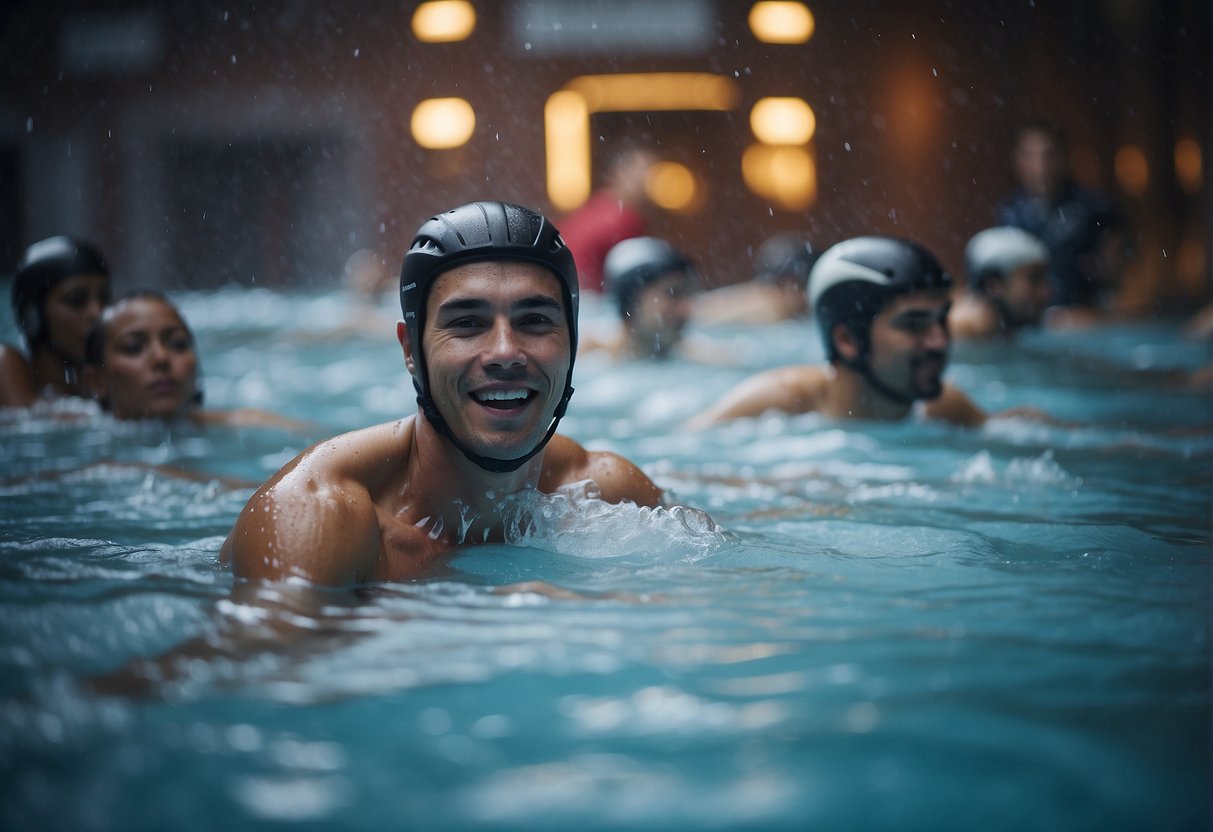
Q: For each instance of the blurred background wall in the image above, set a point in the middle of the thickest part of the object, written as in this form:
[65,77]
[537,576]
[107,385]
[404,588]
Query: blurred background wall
[200,143]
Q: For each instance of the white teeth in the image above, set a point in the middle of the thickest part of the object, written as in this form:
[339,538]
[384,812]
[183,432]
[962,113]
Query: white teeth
[501,395]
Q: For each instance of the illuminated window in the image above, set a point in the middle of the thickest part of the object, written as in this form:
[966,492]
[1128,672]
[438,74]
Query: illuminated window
[781,22]
[784,174]
[444,21]
[1189,166]
[783,121]
[1132,170]
[442,123]
[567,117]
[673,187]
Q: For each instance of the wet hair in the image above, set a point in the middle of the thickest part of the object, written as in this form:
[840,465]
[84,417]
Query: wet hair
[94,342]
[43,265]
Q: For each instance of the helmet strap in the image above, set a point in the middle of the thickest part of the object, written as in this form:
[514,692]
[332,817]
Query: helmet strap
[491,464]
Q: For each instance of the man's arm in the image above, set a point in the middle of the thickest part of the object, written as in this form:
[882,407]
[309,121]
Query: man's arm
[782,389]
[619,479]
[16,380]
[306,523]
[565,462]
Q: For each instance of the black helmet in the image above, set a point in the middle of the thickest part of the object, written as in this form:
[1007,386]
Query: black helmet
[43,265]
[785,257]
[476,232]
[853,280]
[998,251]
[634,263]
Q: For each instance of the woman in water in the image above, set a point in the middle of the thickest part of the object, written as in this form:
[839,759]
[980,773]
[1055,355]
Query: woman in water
[140,363]
[59,290]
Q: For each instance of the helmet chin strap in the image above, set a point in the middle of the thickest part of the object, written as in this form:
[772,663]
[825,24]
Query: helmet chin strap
[488,463]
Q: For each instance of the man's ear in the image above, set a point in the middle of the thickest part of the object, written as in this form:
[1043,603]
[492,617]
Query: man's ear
[845,343]
[402,335]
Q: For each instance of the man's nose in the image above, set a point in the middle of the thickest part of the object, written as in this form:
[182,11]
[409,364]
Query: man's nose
[503,348]
[937,338]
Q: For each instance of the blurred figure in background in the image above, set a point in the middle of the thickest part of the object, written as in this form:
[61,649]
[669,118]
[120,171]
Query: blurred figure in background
[1007,270]
[778,291]
[59,290]
[1081,227]
[612,213]
[140,363]
[653,286]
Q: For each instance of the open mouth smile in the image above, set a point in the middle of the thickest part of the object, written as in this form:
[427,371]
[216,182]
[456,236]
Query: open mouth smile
[504,399]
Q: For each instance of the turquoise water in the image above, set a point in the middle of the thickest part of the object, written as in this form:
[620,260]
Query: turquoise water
[900,627]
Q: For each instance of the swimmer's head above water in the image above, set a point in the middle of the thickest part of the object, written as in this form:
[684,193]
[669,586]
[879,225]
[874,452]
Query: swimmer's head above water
[476,233]
[1009,268]
[44,269]
[652,284]
[856,281]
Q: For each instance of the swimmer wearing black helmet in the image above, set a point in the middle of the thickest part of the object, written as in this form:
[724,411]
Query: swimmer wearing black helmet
[489,296]
[60,287]
[881,305]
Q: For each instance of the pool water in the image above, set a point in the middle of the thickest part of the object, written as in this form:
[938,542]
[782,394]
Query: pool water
[856,626]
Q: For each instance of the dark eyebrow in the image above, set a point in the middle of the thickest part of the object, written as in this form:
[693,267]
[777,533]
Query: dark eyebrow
[522,304]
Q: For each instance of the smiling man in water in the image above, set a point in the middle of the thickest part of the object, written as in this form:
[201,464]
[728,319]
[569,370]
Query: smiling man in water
[489,296]
[882,307]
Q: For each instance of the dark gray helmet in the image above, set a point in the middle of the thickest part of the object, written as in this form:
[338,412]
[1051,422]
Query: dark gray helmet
[632,264]
[476,232]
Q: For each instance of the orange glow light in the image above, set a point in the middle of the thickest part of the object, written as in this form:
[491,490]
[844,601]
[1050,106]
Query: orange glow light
[781,22]
[673,187]
[443,123]
[783,121]
[1132,170]
[444,21]
[785,174]
[1189,165]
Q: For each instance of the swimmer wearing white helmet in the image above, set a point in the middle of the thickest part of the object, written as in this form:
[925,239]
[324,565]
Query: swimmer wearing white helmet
[881,305]
[1009,289]
[489,295]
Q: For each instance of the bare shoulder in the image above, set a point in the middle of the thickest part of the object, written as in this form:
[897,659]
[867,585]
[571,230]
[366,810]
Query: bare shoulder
[17,387]
[316,519]
[953,405]
[971,318]
[251,418]
[618,479]
[795,389]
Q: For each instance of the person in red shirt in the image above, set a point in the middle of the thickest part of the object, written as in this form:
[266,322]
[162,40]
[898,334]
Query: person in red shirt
[611,214]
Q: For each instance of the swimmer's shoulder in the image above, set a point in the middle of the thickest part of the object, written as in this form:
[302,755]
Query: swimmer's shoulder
[972,318]
[17,385]
[618,479]
[794,389]
[954,405]
[316,518]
